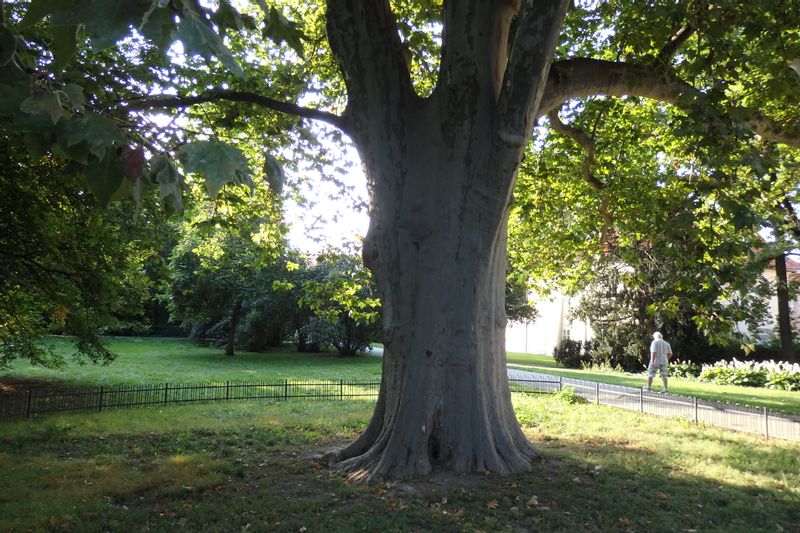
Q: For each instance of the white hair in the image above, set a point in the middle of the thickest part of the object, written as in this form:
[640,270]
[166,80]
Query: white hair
[657,335]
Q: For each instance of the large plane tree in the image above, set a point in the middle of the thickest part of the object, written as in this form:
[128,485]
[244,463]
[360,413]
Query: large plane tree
[441,100]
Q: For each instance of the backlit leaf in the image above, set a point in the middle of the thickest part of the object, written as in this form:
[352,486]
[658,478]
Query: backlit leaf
[44,103]
[198,38]
[217,163]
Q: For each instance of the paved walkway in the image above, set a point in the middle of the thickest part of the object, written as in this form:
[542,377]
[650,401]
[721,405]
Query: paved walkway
[758,420]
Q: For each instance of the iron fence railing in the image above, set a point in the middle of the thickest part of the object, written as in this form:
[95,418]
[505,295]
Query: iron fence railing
[37,401]
[758,420]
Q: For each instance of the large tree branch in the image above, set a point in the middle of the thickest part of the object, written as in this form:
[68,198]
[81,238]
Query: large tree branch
[538,27]
[577,78]
[218,95]
[675,43]
[366,44]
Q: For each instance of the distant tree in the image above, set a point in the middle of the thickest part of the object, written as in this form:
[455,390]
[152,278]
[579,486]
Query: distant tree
[66,266]
[343,298]
[217,266]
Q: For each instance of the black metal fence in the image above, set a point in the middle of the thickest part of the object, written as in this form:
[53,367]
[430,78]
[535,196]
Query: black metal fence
[36,401]
[745,418]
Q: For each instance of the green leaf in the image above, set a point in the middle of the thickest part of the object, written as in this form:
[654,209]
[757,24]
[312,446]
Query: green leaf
[65,43]
[169,180]
[37,10]
[279,29]
[109,21]
[76,152]
[44,103]
[273,170]
[8,45]
[75,94]
[159,26]
[218,163]
[198,38]
[105,179]
[100,134]
[37,145]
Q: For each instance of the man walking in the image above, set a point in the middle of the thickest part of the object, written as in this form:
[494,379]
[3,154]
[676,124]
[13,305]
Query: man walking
[660,354]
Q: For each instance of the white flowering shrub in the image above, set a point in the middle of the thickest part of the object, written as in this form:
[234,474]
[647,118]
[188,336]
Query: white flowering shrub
[770,374]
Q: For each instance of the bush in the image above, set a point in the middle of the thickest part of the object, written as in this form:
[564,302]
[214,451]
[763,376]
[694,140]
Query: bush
[568,395]
[770,374]
[571,354]
[684,369]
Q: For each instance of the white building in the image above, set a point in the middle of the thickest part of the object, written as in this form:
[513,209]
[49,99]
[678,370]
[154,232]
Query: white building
[553,323]
[551,326]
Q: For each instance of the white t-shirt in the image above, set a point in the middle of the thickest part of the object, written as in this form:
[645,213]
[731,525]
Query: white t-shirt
[662,349]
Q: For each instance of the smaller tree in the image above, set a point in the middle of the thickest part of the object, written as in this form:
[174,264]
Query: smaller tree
[66,266]
[341,294]
[217,266]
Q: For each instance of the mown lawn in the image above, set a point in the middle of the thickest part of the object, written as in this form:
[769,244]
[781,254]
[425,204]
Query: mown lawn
[142,360]
[249,466]
[784,401]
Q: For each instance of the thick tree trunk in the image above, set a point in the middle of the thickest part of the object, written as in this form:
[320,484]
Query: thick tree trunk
[441,172]
[784,313]
[437,249]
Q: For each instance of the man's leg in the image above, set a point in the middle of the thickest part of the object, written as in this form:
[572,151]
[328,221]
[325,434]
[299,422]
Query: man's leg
[664,378]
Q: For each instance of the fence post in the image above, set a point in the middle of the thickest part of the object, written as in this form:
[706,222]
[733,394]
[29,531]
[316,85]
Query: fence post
[285,389]
[30,403]
[696,412]
[597,392]
[100,400]
[641,400]
[341,389]
[166,391]
[560,382]
[766,422]
[227,390]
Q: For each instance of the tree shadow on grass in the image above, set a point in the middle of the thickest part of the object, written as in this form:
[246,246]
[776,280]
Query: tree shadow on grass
[265,477]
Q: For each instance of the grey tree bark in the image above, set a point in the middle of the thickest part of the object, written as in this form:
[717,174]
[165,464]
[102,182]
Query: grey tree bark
[441,171]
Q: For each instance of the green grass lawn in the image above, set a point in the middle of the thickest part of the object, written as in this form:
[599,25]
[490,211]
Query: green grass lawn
[249,466]
[785,401]
[143,360]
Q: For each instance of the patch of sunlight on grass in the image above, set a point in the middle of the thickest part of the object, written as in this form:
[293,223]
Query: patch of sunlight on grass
[61,485]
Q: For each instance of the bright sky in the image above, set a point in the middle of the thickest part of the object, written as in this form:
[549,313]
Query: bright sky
[328,217]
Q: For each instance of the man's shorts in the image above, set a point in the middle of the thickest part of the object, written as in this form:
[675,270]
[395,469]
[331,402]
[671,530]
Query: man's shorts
[651,370]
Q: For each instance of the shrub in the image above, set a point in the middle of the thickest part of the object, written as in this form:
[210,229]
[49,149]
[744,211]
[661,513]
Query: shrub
[568,395]
[771,374]
[784,379]
[571,354]
[684,369]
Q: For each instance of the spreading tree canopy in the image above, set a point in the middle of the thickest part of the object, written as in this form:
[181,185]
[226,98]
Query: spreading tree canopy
[440,98]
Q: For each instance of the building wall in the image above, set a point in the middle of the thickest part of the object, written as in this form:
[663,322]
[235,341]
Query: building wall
[552,325]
